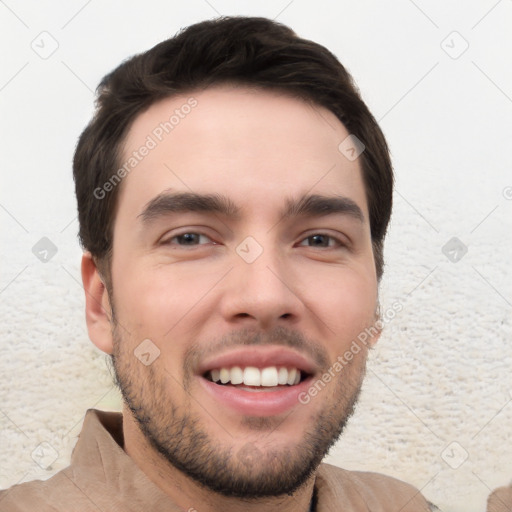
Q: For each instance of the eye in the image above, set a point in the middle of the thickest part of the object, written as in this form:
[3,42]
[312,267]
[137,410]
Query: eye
[323,240]
[188,239]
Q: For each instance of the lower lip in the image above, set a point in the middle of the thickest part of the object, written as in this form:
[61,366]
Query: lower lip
[256,403]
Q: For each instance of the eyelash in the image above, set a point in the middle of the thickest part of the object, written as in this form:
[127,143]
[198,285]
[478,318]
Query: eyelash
[337,240]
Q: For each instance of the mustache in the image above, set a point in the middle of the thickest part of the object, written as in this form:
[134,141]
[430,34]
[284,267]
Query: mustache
[280,336]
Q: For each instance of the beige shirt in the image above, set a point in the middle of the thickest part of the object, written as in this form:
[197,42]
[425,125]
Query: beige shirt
[103,478]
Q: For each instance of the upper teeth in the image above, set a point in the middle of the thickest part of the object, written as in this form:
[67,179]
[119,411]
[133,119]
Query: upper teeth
[252,376]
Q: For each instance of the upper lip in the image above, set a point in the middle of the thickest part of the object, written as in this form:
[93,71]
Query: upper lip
[259,357]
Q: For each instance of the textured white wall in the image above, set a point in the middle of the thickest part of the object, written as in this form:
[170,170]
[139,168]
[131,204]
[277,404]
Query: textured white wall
[439,383]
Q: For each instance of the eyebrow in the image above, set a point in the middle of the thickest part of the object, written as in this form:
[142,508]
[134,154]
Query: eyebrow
[185,202]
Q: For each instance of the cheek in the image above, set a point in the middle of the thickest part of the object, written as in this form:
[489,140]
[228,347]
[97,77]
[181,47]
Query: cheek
[161,303]
[344,300]
[142,296]
[146,303]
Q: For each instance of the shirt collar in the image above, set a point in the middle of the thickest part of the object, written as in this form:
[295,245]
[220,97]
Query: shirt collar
[99,462]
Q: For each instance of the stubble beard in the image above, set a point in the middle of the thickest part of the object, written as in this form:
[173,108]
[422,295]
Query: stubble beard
[242,470]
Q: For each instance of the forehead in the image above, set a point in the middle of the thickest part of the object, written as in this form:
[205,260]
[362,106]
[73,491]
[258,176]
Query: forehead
[252,144]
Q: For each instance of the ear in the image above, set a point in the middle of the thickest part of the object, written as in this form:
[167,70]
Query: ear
[376,328]
[97,305]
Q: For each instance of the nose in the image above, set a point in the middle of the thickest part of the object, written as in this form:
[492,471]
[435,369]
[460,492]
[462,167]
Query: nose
[261,293]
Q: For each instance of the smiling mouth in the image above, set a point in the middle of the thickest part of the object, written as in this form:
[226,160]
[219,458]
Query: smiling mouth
[252,378]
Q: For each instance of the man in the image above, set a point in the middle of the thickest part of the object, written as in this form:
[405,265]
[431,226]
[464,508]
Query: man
[234,193]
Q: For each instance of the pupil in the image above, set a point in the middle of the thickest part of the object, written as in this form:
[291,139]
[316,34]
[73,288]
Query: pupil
[188,238]
[318,238]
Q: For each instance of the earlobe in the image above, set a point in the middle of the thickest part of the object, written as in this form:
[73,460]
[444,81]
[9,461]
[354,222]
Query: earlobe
[376,335]
[97,305]
[377,327]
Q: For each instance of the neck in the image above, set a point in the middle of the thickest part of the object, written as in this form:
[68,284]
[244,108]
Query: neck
[191,496]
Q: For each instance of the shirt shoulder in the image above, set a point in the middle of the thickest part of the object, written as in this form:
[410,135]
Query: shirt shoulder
[56,494]
[367,491]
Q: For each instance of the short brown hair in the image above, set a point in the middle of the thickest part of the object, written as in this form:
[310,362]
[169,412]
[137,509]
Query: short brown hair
[249,51]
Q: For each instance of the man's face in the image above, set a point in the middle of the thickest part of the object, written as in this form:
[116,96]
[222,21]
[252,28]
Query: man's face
[272,283]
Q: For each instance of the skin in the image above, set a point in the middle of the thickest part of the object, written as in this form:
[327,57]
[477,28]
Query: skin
[259,148]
